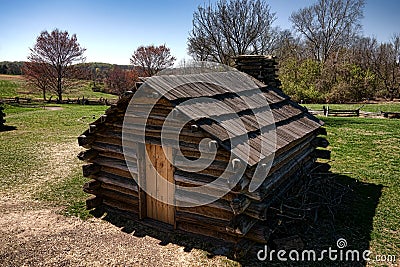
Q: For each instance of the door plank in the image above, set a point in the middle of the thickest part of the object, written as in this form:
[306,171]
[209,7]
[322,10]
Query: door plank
[159,171]
[141,162]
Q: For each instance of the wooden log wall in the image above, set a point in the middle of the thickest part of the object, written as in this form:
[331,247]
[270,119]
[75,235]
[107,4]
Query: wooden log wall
[112,184]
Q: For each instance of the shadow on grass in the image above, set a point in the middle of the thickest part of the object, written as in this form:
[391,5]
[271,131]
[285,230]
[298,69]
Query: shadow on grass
[336,207]
[318,211]
[6,128]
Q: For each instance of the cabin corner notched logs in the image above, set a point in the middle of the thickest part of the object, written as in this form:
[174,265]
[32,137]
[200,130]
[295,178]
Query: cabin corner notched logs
[239,214]
[261,67]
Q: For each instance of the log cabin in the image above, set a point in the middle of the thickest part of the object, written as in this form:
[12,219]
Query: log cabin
[204,153]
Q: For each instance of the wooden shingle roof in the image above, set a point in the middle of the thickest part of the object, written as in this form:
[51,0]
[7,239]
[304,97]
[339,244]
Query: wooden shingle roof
[221,98]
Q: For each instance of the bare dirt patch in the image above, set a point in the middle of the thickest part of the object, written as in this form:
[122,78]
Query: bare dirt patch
[35,235]
[11,77]
[53,108]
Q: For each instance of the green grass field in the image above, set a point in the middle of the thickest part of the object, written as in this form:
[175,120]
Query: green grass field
[368,151]
[15,86]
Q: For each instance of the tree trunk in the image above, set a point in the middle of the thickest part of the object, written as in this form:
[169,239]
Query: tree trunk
[44,94]
[59,97]
[59,85]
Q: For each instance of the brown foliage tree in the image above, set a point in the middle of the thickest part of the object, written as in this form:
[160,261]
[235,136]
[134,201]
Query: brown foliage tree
[36,77]
[119,81]
[151,59]
[51,61]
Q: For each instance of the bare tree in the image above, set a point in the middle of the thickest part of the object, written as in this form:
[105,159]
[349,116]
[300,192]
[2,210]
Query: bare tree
[152,58]
[328,24]
[231,28]
[362,51]
[287,45]
[53,57]
[386,65]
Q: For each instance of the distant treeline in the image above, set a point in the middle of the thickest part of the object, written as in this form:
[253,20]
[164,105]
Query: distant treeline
[15,67]
[11,68]
[99,70]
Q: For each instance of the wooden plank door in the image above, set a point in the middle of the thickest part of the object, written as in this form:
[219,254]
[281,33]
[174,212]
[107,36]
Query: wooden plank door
[159,171]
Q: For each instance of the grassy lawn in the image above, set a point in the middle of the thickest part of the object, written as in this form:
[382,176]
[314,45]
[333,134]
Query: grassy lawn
[15,86]
[10,88]
[368,151]
[38,159]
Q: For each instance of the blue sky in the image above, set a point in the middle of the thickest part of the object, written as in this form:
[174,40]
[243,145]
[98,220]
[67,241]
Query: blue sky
[112,30]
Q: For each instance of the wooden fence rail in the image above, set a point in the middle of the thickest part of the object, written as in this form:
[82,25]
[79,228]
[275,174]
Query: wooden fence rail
[16,100]
[390,115]
[80,101]
[341,112]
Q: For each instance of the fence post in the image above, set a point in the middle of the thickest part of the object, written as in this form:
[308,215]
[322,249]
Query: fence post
[2,115]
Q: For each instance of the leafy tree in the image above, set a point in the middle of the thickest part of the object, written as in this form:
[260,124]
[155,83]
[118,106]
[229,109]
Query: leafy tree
[354,83]
[380,63]
[12,68]
[231,28]
[332,62]
[53,57]
[3,69]
[152,59]
[300,80]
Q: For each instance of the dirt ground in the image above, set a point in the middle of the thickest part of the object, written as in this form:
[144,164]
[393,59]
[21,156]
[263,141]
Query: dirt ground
[11,77]
[53,108]
[35,233]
